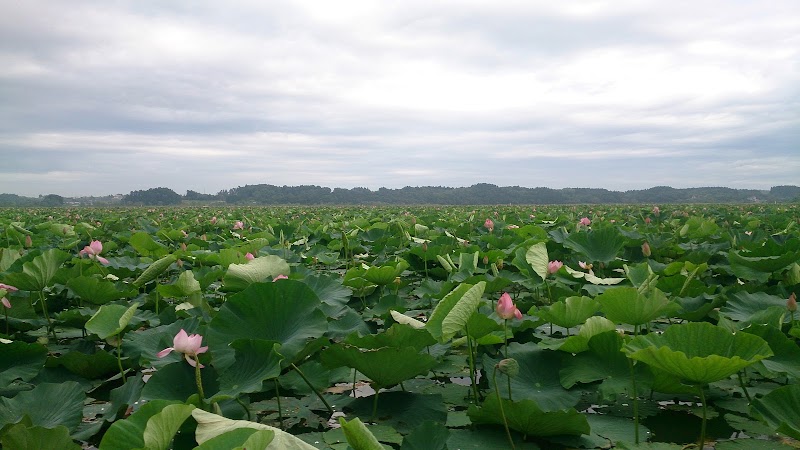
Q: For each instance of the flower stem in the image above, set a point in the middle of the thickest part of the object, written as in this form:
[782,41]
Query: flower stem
[280,409]
[47,316]
[325,402]
[471,366]
[375,403]
[505,342]
[635,400]
[119,359]
[502,411]
[198,379]
[703,426]
[744,388]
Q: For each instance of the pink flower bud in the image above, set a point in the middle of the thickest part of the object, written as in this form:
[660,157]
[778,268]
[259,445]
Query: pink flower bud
[28,241]
[249,256]
[506,309]
[585,221]
[791,304]
[489,225]
[646,249]
[553,266]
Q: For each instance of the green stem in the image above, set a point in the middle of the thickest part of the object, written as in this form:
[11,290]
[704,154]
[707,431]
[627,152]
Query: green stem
[471,366]
[744,388]
[505,341]
[502,411]
[308,382]
[246,409]
[703,426]
[47,316]
[635,399]
[375,403]
[198,379]
[280,409]
[6,313]
[119,359]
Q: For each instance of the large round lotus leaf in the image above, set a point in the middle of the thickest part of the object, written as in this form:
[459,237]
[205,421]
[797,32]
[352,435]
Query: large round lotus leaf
[627,305]
[600,245]
[527,418]
[384,366]
[571,312]
[22,437]
[211,425]
[153,426]
[787,353]
[48,405]
[20,360]
[698,353]
[779,409]
[286,312]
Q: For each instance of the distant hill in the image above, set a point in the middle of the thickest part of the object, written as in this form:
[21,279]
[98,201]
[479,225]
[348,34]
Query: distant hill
[478,194]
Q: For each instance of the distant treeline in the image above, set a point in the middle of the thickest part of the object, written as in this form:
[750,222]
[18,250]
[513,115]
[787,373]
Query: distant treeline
[479,194]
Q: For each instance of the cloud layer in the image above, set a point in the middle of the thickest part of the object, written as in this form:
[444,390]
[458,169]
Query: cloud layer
[101,98]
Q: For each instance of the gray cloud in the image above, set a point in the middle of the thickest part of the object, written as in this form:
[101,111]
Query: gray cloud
[108,98]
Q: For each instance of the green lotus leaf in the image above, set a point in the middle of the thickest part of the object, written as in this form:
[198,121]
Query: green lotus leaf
[22,437]
[580,342]
[154,270]
[759,265]
[398,335]
[599,245]
[177,382]
[527,418]
[358,436]
[698,352]
[96,291]
[286,312]
[123,397]
[383,275]
[538,379]
[428,436]
[255,361]
[755,308]
[787,353]
[537,257]
[145,245]
[110,320]
[239,439]
[779,408]
[20,361]
[261,269]
[90,366]
[386,366]
[211,425]
[626,305]
[401,410]
[153,426]
[451,314]
[38,273]
[40,405]
[570,312]
[184,286]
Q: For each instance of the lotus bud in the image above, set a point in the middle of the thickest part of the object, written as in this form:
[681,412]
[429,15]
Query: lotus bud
[397,281]
[647,220]
[656,211]
[509,366]
[183,246]
[791,304]
[500,264]
[485,260]
[646,249]
[249,256]
[553,266]
[585,221]
[489,225]
[179,263]
[424,246]
[28,241]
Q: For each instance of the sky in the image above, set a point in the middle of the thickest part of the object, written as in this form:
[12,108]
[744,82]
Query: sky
[108,97]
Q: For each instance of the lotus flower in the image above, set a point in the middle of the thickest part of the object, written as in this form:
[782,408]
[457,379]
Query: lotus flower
[585,221]
[280,277]
[506,308]
[239,225]
[585,265]
[656,211]
[214,220]
[553,266]
[489,225]
[249,256]
[646,249]
[6,288]
[188,344]
[93,250]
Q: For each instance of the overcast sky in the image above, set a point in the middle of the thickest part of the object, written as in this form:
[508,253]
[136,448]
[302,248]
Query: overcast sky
[102,97]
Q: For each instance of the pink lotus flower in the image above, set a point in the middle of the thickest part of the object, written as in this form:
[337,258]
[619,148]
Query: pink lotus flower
[585,221]
[249,256]
[553,266]
[585,265]
[239,225]
[7,288]
[280,277]
[656,211]
[214,220]
[506,309]
[647,220]
[188,344]
[93,250]
[489,225]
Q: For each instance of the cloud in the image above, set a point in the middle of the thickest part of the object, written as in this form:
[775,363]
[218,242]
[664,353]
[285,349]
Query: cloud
[208,96]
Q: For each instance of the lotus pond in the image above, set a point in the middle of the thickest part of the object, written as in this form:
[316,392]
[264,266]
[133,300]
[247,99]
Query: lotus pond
[400,328]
